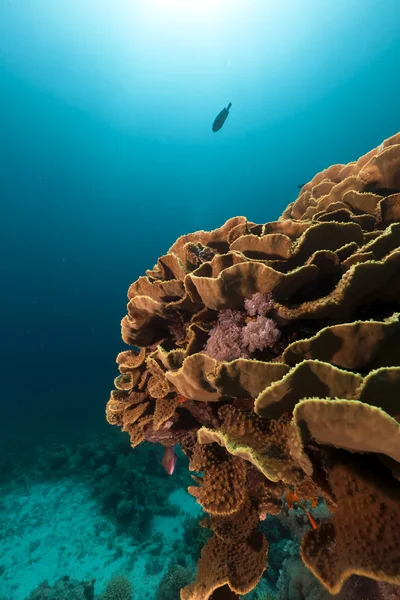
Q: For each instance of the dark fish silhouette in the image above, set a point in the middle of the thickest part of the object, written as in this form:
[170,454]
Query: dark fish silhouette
[300,185]
[220,119]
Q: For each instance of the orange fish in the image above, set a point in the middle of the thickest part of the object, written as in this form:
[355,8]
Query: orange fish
[290,498]
[312,521]
[181,398]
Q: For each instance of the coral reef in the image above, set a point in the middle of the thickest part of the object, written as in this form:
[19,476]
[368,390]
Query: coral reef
[175,578]
[64,589]
[195,537]
[270,354]
[118,480]
[118,588]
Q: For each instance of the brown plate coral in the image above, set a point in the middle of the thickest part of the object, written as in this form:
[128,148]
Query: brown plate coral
[271,354]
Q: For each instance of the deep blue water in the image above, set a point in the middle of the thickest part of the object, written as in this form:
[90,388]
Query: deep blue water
[91,198]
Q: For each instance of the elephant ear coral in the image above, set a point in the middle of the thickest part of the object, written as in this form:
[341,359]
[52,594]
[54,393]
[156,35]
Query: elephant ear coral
[364,535]
[223,485]
[270,353]
[235,556]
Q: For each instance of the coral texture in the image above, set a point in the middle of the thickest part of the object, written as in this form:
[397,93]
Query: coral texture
[118,588]
[270,354]
[64,588]
[175,578]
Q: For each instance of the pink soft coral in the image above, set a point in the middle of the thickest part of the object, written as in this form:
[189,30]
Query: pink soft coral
[231,338]
[225,339]
[259,334]
[258,304]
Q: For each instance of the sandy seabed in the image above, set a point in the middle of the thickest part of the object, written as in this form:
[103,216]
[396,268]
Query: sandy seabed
[49,530]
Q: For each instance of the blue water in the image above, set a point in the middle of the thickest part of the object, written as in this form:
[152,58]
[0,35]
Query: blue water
[107,156]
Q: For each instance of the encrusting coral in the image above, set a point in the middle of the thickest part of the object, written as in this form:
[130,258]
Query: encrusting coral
[270,354]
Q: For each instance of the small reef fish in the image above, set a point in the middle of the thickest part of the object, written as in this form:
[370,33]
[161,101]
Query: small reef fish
[312,521]
[169,459]
[291,498]
[181,398]
[220,119]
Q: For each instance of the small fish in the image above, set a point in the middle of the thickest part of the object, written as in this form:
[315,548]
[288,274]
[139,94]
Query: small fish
[220,119]
[290,498]
[181,398]
[169,459]
[312,521]
[300,185]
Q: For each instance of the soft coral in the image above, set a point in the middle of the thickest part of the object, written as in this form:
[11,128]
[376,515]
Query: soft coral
[225,339]
[259,334]
[233,338]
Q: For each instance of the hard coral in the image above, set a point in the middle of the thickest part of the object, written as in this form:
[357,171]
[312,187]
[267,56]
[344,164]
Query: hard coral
[283,340]
[175,578]
[64,588]
[235,556]
[223,485]
[364,535]
[118,588]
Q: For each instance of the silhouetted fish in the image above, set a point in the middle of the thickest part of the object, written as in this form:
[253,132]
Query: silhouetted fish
[300,185]
[220,119]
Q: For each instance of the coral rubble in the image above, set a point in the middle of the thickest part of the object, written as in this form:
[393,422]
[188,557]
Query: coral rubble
[270,354]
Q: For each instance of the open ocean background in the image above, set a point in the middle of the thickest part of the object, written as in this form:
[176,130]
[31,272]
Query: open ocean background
[107,156]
